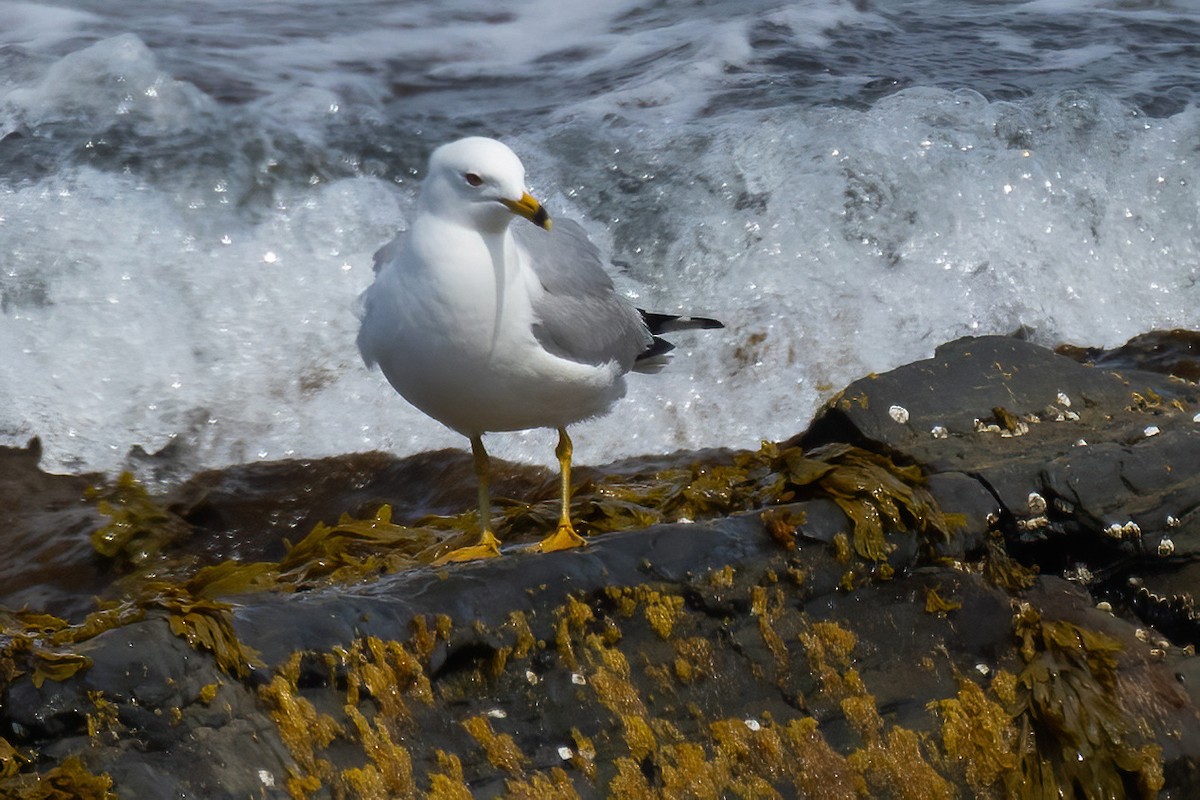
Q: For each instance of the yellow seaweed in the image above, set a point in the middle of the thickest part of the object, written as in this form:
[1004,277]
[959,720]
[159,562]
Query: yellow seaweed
[303,730]
[205,624]
[936,604]
[978,736]
[69,780]
[1073,734]
[500,748]
[11,759]
[138,527]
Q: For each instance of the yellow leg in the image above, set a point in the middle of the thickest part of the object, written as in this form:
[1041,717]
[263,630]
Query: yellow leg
[489,545]
[564,536]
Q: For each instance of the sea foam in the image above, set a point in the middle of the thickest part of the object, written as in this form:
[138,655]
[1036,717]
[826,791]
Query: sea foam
[181,272]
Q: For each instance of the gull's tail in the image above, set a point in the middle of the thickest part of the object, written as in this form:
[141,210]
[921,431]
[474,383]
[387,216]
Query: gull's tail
[655,357]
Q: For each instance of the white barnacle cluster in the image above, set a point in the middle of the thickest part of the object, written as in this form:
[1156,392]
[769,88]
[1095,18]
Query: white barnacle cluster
[899,414]
[1037,510]
[1158,647]
[584,755]
[1008,425]
[1166,547]
[1060,409]
[1080,573]
[1019,427]
[1033,523]
[1022,428]
[939,432]
[1130,530]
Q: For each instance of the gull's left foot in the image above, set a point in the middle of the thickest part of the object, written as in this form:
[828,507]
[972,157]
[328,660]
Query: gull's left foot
[563,538]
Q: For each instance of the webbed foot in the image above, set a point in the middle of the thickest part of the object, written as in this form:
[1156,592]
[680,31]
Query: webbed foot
[563,538]
[488,547]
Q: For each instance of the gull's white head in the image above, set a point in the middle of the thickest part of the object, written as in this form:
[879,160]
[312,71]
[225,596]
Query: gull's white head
[480,183]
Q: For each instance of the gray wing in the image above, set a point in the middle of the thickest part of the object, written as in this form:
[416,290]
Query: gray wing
[370,306]
[388,251]
[580,316]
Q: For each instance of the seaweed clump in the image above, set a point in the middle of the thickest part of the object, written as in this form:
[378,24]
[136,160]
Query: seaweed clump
[383,686]
[978,734]
[1056,728]
[205,624]
[139,528]
[1073,736]
[303,729]
[38,645]
[874,492]
[146,539]
[69,780]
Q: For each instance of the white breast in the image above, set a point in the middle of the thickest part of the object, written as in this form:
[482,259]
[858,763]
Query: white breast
[451,328]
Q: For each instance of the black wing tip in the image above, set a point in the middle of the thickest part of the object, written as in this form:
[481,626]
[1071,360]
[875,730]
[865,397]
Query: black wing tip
[666,323]
[658,347]
[705,323]
[654,357]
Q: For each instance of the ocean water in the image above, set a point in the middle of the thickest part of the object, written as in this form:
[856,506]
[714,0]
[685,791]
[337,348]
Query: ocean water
[190,195]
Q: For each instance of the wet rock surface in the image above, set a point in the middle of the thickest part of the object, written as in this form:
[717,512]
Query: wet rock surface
[971,576]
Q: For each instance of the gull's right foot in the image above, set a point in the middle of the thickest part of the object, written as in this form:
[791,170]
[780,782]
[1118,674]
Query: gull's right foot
[488,547]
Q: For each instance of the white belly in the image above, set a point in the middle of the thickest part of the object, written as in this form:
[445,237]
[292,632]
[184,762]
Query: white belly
[459,345]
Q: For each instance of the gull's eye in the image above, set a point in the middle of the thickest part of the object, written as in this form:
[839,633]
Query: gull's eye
[473,179]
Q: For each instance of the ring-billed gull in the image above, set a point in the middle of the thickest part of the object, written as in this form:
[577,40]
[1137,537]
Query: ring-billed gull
[490,328]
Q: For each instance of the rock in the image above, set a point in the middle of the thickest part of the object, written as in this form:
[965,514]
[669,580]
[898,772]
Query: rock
[964,572]
[53,567]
